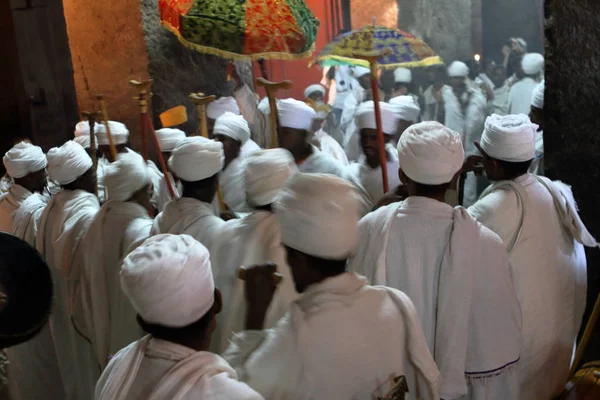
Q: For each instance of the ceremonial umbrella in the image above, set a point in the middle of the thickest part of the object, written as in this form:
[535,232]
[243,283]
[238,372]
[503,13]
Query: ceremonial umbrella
[406,50]
[243,29]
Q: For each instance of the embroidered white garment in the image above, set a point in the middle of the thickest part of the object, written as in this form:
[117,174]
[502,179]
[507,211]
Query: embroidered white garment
[62,225]
[154,369]
[541,230]
[306,355]
[103,312]
[444,261]
[321,163]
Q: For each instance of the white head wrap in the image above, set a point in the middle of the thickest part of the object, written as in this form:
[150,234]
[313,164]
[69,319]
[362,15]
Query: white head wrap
[458,69]
[509,138]
[119,132]
[312,89]
[537,98]
[196,158]
[126,176]
[263,106]
[169,280]
[24,159]
[83,129]
[232,125]
[532,63]
[361,71]
[365,117]
[220,106]
[84,141]
[318,215]
[402,75]
[295,114]
[406,108]
[168,138]
[68,162]
[430,154]
[265,173]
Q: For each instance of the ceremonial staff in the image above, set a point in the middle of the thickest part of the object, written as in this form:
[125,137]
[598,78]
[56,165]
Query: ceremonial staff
[111,143]
[144,90]
[201,102]
[91,117]
[271,88]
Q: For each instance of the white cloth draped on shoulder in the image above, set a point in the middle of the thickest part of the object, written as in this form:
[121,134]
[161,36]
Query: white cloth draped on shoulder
[160,194]
[62,225]
[321,163]
[26,218]
[9,204]
[448,278]
[102,311]
[231,181]
[329,146]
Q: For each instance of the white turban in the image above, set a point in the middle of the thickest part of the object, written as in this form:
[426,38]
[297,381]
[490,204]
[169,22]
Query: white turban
[119,132]
[430,154]
[169,280]
[312,89]
[458,69]
[295,114]
[220,106]
[537,98]
[509,138]
[168,138]
[318,215]
[24,159]
[361,71]
[126,176]
[196,158]
[532,63]
[68,162]
[82,129]
[406,108]
[263,106]
[265,173]
[402,75]
[232,125]
[365,117]
[84,141]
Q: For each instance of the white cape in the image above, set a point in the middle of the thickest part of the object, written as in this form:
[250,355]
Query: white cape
[231,181]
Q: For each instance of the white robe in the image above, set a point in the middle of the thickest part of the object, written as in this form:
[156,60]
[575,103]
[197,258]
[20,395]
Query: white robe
[103,163]
[456,273]
[27,217]
[321,163]
[154,369]
[537,165]
[63,223]
[233,187]
[499,104]
[431,110]
[103,313]
[9,204]
[254,240]
[329,146]
[249,148]
[519,98]
[5,184]
[549,272]
[326,347]
[260,123]
[470,125]
[351,103]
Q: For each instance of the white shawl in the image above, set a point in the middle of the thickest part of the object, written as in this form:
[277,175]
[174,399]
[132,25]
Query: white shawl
[259,122]
[321,163]
[232,184]
[103,312]
[9,204]
[330,146]
[26,218]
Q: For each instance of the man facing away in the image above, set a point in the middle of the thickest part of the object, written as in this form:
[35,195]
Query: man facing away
[453,269]
[296,119]
[519,99]
[22,206]
[63,223]
[341,339]
[167,141]
[169,282]
[257,240]
[538,222]
[103,314]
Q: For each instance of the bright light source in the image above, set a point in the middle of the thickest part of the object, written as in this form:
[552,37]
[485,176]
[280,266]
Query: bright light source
[477,57]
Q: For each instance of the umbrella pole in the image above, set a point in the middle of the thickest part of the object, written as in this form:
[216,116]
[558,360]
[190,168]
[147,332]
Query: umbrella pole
[201,102]
[271,88]
[163,166]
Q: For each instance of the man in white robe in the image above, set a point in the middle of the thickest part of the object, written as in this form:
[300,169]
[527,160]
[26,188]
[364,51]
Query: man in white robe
[63,223]
[537,117]
[82,136]
[104,315]
[499,102]
[256,240]
[26,165]
[453,269]
[169,281]
[233,132]
[167,140]
[361,83]
[296,119]
[519,99]
[326,345]
[538,222]
[408,111]
[465,113]
[432,98]
[324,123]
[366,173]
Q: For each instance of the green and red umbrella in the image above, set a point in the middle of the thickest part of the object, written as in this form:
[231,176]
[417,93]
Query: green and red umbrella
[243,29]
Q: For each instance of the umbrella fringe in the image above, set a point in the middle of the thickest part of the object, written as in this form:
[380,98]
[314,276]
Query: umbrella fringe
[339,60]
[235,56]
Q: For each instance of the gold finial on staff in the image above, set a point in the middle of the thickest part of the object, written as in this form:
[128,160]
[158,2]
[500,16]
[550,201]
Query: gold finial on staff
[111,143]
[143,89]
[271,88]
[201,102]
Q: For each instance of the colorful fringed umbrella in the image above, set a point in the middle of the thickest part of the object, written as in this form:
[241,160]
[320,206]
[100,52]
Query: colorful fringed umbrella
[406,49]
[243,29]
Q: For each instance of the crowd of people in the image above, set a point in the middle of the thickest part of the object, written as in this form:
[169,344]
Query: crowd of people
[346,292]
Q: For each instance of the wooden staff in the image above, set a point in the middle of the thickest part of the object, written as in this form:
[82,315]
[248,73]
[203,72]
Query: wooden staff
[372,57]
[163,166]
[587,334]
[242,271]
[144,93]
[201,102]
[271,88]
[91,116]
[111,143]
